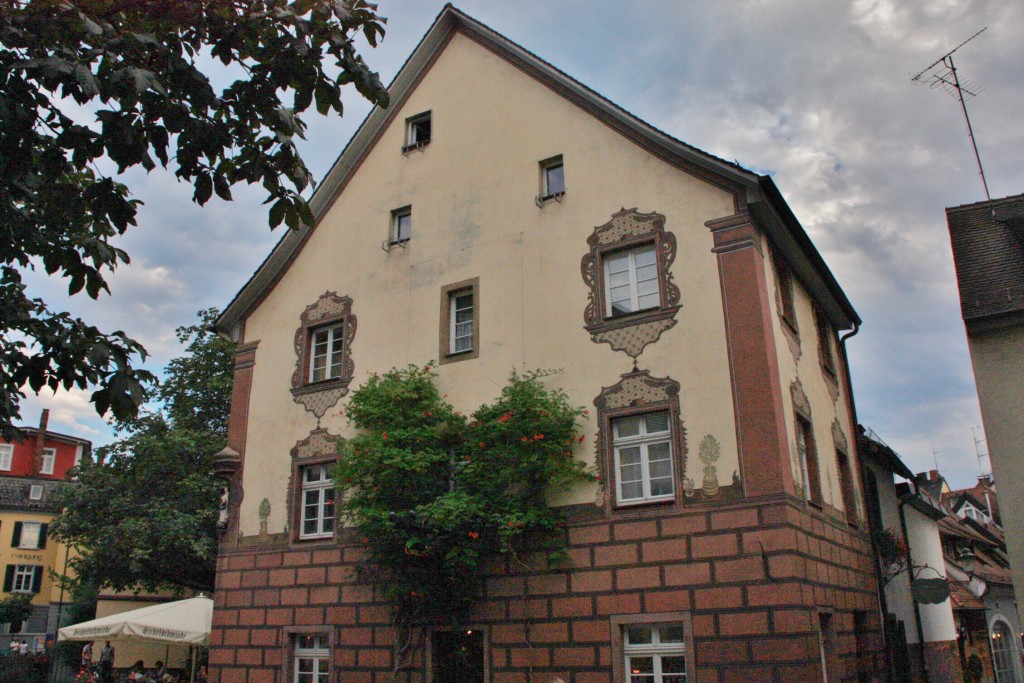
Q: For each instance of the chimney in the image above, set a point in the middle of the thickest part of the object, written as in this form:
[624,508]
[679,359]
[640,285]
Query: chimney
[37,459]
[933,475]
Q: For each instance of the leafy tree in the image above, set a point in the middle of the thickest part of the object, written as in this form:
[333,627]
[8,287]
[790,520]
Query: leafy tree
[433,494]
[144,514]
[15,609]
[142,68]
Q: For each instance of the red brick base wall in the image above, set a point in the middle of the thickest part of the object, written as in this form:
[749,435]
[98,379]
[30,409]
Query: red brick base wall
[751,576]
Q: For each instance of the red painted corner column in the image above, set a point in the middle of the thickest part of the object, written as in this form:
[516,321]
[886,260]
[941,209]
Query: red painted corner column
[761,427]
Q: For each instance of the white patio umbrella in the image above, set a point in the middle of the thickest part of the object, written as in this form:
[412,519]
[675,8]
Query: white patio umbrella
[182,621]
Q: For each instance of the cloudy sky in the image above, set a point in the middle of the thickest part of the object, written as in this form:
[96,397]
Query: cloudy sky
[816,94]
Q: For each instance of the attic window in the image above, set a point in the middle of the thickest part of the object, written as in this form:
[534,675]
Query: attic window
[552,180]
[417,132]
[35,492]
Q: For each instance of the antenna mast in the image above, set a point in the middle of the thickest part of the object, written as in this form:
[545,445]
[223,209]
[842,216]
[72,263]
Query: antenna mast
[947,79]
[977,451]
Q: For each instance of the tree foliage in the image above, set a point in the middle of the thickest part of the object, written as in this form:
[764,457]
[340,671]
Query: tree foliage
[140,69]
[433,494]
[15,609]
[144,514]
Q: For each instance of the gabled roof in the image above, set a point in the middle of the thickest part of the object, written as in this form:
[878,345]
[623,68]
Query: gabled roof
[750,190]
[32,432]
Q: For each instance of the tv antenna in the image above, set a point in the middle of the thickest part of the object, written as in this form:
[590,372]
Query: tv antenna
[942,74]
[977,451]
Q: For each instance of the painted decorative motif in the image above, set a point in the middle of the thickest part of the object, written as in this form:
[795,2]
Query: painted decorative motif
[637,389]
[839,437]
[264,513]
[709,452]
[632,332]
[319,397]
[801,403]
[319,443]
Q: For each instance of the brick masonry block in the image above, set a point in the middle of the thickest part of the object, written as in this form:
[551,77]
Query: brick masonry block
[739,570]
[374,614]
[311,575]
[356,636]
[374,657]
[619,554]
[593,677]
[547,584]
[246,561]
[341,574]
[748,674]
[549,632]
[319,595]
[727,597]
[508,633]
[618,603]
[268,560]
[264,637]
[357,593]
[226,580]
[637,577]
[576,607]
[742,623]
[672,550]
[719,651]
[782,538]
[341,614]
[684,525]
[590,535]
[266,597]
[523,657]
[667,601]
[774,594]
[791,649]
[309,616]
[629,531]
[249,656]
[597,631]
[236,636]
[254,578]
[579,558]
[232,675]
[294,596]
[592,581]
[689,574]
[574,656]
[262,676]
[734,519]
[238,598]
[252,617]
[281,577]
[536,608]
[296,558]
[327,556]
[703,625]
[281,616]
[716,545]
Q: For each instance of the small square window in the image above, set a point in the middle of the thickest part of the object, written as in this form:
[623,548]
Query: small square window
[23,578]
[6,456]
[35,492]
[401,225]
[49,458]
[653,652]
[552,179]
[29,535]
[417,132]
[317,494]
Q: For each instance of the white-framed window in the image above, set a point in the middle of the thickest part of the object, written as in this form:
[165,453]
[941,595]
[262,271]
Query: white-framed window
[312,658]
[809,470]
[417,132]
[317,502]
[643,457]
[49,458]
[655,653]
[401,225]
[29,535]
[24,578]
[6,456]
[631,281]
[35,492]
[461,320]
[552,178]
[327,352]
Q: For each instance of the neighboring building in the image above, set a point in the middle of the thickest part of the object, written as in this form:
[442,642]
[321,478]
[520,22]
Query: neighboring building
[459,225]
[988,250]
[948,535]
[30,473]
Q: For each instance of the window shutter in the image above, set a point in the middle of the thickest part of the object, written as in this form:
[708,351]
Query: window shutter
[9,578]
[37,579]
[42,535]
[16,538]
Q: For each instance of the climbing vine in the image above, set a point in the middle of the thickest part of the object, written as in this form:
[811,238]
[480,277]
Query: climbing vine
[433,494]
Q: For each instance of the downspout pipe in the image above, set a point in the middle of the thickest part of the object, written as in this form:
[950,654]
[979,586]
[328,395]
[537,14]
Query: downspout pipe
[883,605]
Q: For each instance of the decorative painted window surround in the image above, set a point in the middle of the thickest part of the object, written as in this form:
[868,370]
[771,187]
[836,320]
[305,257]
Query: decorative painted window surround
[639,394]
[449,293]
[317,449]
[629,230]
[330,310]
[620,649]
[806,448]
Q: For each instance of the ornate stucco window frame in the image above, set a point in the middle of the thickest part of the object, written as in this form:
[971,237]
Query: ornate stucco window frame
[640,394]
[319,448]
[629,230]
[328,311]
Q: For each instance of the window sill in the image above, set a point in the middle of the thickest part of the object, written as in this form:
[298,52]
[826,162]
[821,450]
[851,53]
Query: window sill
[624,506]
[323,385]
[415,147]
[316,539]
[626,319]
[543,199]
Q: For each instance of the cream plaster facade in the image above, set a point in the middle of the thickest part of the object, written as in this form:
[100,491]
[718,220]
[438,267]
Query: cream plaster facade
[472,194]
